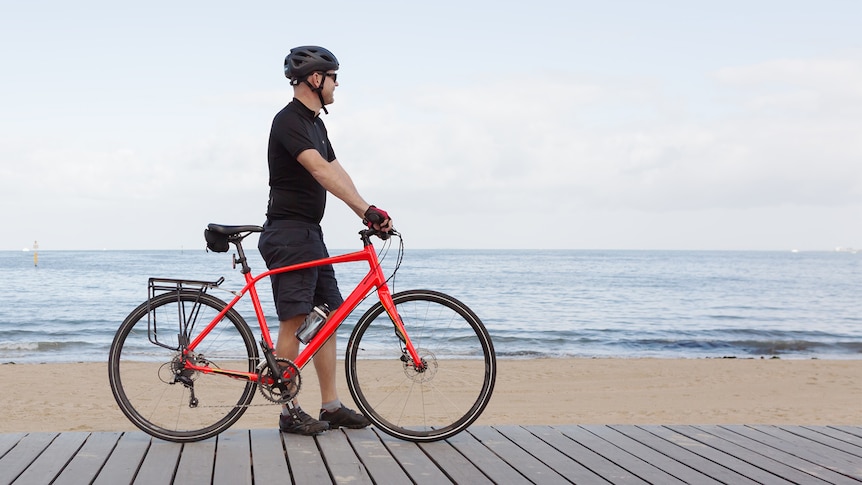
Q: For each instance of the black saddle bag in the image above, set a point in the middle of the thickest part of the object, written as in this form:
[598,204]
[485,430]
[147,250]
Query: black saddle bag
[216,242]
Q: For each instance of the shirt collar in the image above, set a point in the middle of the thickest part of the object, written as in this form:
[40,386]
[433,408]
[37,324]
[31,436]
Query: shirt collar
[302,109]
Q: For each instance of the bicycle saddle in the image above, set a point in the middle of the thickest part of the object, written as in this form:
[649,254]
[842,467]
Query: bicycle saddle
[231,230]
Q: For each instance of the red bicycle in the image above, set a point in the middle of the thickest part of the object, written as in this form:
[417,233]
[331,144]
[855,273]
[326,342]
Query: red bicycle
[184,365]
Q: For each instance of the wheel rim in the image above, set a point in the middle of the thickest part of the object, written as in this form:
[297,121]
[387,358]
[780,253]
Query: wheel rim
[141,373]
[439,401]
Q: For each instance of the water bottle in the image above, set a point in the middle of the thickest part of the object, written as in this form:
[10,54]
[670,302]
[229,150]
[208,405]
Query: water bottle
[312,324]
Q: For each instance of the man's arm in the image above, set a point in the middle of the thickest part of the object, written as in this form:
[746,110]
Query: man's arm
[333,178]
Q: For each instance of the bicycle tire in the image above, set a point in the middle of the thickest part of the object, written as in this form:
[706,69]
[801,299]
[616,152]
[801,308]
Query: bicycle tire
[141,372]
[438,403]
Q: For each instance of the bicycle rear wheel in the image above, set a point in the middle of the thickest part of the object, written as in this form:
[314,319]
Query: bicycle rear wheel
[146,375]
[423,406]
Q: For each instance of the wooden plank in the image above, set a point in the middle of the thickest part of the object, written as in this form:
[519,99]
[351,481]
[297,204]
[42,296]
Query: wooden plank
[455,465]
[22,455]
[588,449]
[817,451]
[853,430]
[664,467]
[380,464]
[853,452]
[505,454]
[781,456]
[484,459]
[304,459]
[124,461]
[268,458]
[51,461]
[54,459]
[343,464]
[415,462]
[233,458]
[753,465]
[197,461]
[160,463]
[838,434]
[528,439]
[87,462]
[837,460]
[528,465]
[8,441]
[794,445]
[685,450]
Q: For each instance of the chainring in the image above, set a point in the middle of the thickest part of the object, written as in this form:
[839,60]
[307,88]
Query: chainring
[279,393]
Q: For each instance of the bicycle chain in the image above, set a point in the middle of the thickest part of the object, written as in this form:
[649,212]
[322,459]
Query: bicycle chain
[272,394]
[264,389]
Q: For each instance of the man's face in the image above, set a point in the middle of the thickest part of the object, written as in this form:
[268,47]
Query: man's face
[329,84]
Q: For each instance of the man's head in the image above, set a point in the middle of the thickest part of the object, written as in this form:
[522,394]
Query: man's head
[306,60]
[312,65]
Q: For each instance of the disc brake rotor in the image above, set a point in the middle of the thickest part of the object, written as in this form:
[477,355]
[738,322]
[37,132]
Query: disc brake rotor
[430,367]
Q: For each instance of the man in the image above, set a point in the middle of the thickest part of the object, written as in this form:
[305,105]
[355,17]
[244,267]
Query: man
[302,169]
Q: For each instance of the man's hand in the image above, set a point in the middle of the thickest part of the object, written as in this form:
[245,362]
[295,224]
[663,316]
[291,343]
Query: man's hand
[377,219]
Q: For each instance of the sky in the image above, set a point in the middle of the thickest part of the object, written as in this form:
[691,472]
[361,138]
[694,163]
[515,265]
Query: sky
[568,124]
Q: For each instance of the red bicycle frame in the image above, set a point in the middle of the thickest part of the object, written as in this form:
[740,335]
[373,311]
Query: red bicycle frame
[374,279]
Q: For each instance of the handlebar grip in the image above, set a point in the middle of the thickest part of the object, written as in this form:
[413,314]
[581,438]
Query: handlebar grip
[384,235]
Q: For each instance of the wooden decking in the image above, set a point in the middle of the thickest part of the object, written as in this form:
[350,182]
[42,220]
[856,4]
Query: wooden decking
[483,454]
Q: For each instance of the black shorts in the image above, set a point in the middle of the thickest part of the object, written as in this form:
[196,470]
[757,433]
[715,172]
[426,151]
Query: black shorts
[284,243]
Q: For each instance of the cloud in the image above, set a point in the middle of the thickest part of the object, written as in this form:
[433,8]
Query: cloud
[537,142]
[821,87]
[576,157]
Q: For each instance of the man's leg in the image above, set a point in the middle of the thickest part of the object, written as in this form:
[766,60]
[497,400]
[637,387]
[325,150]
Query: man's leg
[287,347]
[336,415]
[332,411]
[324,364]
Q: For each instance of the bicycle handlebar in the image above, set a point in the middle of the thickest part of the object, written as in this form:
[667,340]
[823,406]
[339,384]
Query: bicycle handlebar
[366,234]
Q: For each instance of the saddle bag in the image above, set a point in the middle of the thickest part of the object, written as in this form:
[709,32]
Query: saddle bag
[216,242]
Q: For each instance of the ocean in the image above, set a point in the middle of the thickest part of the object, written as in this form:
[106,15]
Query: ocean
[536,304]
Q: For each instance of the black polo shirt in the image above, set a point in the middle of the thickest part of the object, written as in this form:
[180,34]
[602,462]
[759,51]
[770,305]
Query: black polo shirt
[293,193]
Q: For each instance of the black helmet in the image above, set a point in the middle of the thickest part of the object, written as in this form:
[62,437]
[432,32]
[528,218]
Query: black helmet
[307,59]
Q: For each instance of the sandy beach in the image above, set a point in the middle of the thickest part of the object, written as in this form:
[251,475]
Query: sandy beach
[76,397]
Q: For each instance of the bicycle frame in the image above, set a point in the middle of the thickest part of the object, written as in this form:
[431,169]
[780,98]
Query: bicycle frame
[373,279]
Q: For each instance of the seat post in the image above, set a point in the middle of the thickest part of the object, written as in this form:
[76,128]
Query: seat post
[241,259]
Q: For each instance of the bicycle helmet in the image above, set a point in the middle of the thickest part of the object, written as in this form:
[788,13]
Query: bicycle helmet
[305,60]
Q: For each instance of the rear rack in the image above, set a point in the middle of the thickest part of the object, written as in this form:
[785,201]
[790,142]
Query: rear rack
[187,316]
[161,285]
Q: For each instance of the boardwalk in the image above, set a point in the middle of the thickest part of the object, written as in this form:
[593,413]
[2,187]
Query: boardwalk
[485,454]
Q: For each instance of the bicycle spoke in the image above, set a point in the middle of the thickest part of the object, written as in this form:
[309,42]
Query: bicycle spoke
[448,394]
[148,379]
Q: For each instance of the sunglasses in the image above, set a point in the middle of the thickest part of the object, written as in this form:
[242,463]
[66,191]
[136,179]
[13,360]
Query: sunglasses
[333,75]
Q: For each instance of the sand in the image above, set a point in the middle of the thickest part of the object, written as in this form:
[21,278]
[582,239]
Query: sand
[76,397]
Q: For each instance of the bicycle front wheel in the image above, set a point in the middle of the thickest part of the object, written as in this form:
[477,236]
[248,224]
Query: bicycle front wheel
[456,384]
[145,367]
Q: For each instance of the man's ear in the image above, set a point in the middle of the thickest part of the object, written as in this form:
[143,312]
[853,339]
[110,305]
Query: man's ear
[316,75]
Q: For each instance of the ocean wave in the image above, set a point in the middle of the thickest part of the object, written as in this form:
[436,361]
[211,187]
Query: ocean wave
[744,347]
[61,346]
[19,346]
[705,343]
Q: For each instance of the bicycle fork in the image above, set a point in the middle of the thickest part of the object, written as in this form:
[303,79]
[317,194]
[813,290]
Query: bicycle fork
[408,350]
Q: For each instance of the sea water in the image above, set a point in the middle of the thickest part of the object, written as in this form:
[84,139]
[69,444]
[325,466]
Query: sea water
[567,303]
